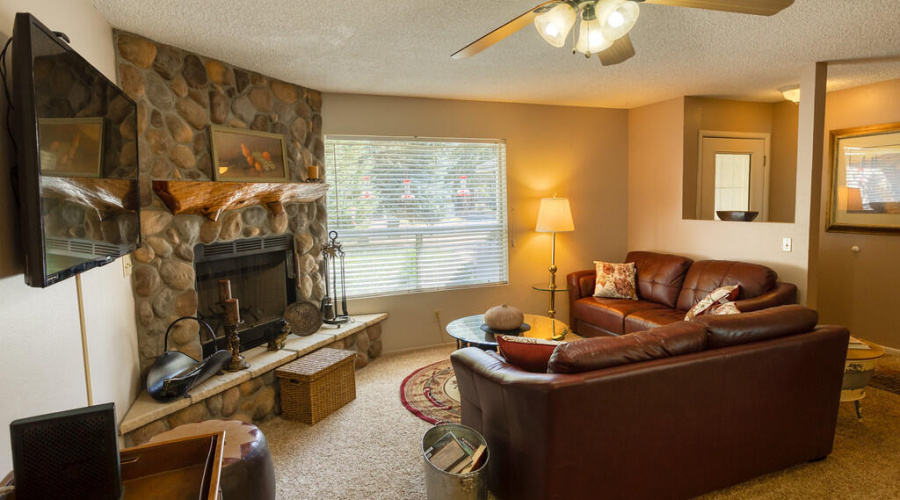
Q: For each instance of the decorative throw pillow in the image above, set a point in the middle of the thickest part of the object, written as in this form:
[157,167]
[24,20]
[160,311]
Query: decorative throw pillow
[726,308]
[615,280]
[527,353]
[715,299]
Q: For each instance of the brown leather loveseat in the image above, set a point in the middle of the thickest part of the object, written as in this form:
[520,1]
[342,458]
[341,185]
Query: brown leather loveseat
[667,413]
[667,287]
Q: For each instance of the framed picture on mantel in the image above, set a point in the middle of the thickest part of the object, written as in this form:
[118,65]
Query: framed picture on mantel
[71,147]
[241,155]
[864,194]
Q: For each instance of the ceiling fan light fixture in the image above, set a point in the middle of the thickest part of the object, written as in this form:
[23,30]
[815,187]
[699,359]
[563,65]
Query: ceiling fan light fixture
[617,17]
[554,25]
[591,39]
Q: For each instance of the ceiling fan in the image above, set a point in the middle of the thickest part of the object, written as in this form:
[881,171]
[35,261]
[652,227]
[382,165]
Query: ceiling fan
[604,25]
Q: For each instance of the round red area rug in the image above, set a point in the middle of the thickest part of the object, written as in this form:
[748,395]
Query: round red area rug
[431,393]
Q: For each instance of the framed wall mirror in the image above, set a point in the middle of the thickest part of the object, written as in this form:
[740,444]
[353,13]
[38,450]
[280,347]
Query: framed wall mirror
[864,193]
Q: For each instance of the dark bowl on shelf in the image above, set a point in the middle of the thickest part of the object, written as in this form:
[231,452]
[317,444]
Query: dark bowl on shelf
[736,215]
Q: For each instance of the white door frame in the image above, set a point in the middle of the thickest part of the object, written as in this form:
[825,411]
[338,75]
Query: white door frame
[718,134]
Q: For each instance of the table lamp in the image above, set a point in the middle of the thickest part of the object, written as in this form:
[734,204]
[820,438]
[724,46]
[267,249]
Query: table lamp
[554,216]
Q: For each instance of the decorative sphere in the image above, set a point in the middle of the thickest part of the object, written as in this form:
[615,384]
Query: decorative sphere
[504,317]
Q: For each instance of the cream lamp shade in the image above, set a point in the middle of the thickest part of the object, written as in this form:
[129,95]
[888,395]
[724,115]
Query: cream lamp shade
[554,216]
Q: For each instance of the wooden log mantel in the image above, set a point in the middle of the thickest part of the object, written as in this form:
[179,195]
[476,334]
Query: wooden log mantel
[210,199]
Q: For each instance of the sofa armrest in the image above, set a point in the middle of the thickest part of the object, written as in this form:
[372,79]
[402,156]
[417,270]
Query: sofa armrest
[580,285]
[782,294]
[480,373]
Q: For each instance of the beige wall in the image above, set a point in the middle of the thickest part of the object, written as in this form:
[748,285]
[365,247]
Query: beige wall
[41,365]
[779,120]
[860,290]
[655,157]
[579,153]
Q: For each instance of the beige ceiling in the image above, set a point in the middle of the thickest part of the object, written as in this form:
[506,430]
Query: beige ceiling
[403,47]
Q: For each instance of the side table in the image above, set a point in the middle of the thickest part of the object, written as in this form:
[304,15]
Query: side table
[858,370]
[552,289]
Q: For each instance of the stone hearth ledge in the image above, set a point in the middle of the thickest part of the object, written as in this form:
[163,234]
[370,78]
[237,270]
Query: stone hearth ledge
[146,410]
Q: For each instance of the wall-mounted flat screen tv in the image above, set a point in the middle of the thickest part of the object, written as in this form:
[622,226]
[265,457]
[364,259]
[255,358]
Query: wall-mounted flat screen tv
[77,161]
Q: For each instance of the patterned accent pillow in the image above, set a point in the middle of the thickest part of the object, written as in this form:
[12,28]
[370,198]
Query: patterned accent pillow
[527,353]
[713,300]
[615,280]
[726,308]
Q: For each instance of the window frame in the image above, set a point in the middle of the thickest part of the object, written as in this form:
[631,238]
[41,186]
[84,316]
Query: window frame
[502,199]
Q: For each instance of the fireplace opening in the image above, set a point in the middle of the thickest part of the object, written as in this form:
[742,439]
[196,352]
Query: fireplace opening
[262,275]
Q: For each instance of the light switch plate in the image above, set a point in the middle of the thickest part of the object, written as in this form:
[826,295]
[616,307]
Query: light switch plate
[127,265]
[786,244]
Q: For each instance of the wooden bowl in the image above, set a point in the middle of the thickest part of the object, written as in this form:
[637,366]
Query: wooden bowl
[736,215]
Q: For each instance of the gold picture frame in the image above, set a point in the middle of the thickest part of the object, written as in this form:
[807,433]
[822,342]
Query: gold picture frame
[241,155]
[864,186]
[71,147]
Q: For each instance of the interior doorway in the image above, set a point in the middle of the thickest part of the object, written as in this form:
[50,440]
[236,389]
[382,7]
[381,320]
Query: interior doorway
[733,174]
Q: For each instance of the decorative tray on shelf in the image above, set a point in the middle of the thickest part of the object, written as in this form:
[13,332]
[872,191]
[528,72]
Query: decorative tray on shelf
[522,329]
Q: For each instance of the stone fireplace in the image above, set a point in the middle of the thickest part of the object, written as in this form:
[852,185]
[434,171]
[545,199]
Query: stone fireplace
[180,95]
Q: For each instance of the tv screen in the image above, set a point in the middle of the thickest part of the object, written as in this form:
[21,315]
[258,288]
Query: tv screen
[77,161]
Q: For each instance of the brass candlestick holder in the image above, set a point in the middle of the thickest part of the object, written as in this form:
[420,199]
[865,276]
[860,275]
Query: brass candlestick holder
[237,361]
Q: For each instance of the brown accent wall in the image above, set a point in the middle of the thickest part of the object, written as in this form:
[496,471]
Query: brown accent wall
[783,174]
[859,290]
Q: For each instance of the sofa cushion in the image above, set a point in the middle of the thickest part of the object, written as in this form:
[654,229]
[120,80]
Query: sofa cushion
[651,318]
[615,280]
[754,326]
[609,314]
[659,276]
[707,275]
[527,353]
[715,298]
[604,352]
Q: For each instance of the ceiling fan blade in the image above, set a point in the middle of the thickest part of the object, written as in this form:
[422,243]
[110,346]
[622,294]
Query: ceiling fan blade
[499,33]
[755,7]
[620,51]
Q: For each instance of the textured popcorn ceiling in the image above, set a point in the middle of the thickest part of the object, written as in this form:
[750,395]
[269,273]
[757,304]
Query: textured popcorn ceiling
[403,47]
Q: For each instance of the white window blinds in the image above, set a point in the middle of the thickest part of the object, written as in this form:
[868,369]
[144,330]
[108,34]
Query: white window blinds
[418,214]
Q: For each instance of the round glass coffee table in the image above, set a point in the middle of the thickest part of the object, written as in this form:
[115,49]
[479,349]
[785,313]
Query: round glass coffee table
[467,331]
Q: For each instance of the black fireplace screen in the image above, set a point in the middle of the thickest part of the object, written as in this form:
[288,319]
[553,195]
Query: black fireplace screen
[262,278]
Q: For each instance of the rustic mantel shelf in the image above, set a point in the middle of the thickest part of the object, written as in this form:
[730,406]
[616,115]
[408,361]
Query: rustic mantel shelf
[210,199]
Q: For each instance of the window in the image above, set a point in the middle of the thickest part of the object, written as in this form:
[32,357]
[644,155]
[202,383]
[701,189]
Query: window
[418,214]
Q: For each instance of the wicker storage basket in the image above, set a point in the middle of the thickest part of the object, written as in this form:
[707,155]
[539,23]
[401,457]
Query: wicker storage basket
[317,384]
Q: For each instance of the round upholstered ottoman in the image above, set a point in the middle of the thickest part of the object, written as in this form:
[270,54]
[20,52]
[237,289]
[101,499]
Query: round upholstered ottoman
[247,471]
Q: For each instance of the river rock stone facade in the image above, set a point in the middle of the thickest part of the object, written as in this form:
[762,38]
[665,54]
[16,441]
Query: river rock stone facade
[179,96]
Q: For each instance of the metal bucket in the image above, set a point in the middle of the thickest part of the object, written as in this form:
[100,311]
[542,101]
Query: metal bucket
[442,485]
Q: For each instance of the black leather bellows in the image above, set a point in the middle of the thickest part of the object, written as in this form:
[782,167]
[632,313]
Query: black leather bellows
[174,373]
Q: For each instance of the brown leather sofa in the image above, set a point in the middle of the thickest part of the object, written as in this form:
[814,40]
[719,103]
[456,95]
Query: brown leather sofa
[753,393]
[668,286]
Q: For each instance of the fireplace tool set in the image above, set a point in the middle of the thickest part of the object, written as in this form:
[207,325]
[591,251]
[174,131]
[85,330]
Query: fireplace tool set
[333,254]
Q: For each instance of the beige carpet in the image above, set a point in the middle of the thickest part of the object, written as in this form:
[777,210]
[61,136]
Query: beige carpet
[371,448]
